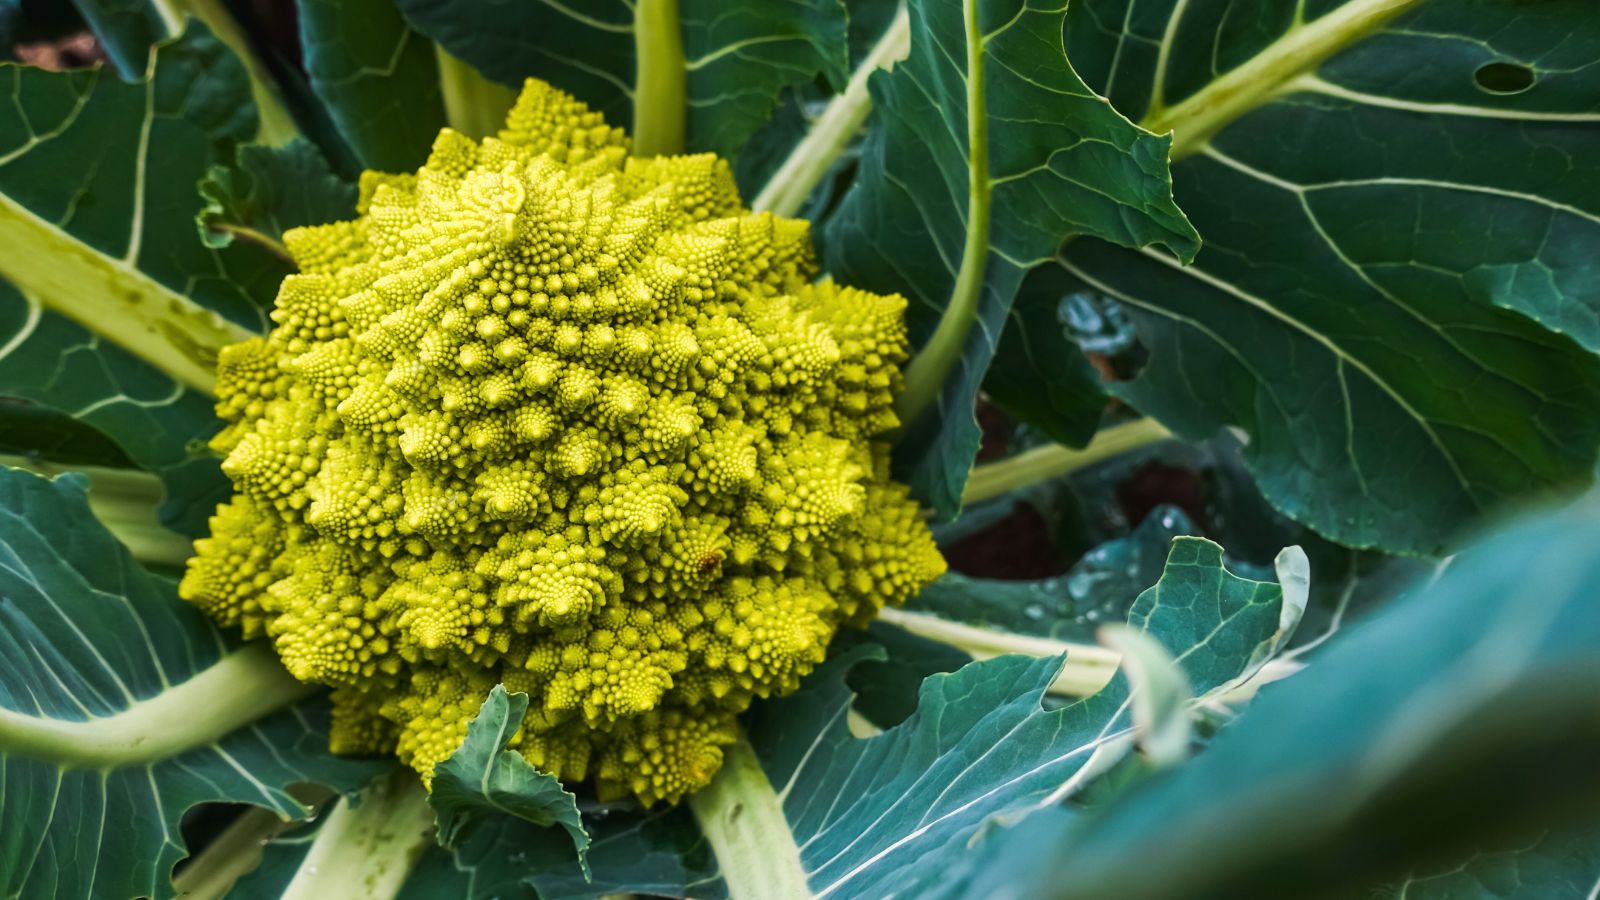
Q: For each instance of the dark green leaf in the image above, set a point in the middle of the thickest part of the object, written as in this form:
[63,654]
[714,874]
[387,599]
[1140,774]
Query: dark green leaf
[1402,267]
[1556,865]
[868,814]
[483,779]
[1101,587]
[377,77]
[97,203]
[269,190]
[161,425]
[1463,713]
[86,633]
[1039,375]
[740,55]
[126,29]
[1053,160]
[886,689]
[39,432]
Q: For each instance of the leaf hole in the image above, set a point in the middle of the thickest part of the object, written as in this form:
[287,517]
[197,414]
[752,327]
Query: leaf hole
[1504,77]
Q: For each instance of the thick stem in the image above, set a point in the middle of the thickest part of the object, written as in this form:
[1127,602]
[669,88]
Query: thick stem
[1088,667]
[473,105]
[235,853]
[926,375]
[1300,49]
[806,165]
[128,503]
[742,816]
[236,690]
[1052,461]
[112,298]
[369,849]
[660,107]
[277,125]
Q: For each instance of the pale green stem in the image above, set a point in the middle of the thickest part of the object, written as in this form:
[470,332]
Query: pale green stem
[255,236]
[127,502]
[1053,460]
[236,690]
[368,850]
[277,125]
[742,816]
[806,165]
[1302,48]
[660,105]
[926,375]
[112,298]
[1088,667]
[237,851]
[473,105]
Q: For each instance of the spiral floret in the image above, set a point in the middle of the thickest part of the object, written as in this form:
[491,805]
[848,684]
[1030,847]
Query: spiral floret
[576,422]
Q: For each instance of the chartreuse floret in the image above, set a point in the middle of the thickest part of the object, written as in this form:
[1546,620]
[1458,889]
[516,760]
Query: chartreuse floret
[556,417]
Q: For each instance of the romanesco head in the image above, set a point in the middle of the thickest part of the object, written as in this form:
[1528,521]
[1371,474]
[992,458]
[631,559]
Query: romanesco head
[577,422]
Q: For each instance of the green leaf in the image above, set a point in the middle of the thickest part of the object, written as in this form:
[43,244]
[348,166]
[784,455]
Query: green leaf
[377,77]
[1160,694]
[739,55]
[38,432]
[1462,713]
[867,812]
[483,779]
[281,857]
[988,151]
[886,689]
[1557,865]
[160,424]
[866,815]
[1101,587]
[1398,322]
[97,204]
[269,190]
[655,852]
[92,645]
[1039,375]
[126,29]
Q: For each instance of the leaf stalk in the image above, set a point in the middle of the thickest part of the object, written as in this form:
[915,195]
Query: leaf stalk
[1054,460]
[237,689]
[277,125]
[809,162]
[1195,120]
[742,816]
[127,502]
[473,105]
[368,849]
[926,375]
[660,106]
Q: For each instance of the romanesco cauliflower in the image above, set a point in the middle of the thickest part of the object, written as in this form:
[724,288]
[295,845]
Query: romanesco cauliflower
[556,417]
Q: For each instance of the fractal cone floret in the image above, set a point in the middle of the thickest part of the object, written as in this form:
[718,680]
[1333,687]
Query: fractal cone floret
[554,417]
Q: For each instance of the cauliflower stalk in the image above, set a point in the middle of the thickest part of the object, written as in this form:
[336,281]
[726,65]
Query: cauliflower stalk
[577,422]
